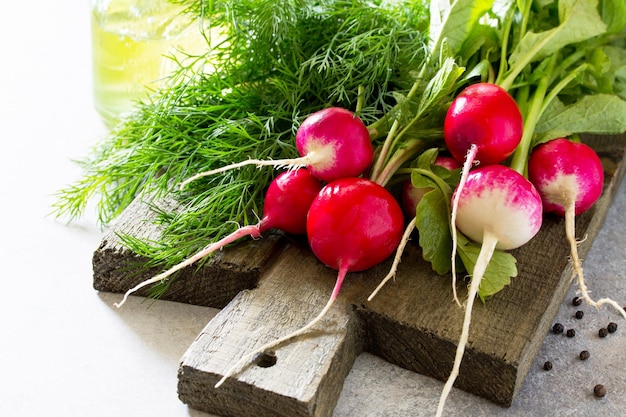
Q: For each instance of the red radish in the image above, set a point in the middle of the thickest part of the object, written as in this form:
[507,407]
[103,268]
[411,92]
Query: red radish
[486,116]
[570,178]
[353,225]
[501,209]
[333,143]
[412,195]
[286,205]
[485,124]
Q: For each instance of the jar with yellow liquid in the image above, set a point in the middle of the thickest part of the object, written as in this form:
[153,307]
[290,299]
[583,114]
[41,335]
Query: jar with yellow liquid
[133,41]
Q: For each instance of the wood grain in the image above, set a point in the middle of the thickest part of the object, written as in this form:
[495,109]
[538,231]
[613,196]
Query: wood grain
[413,322]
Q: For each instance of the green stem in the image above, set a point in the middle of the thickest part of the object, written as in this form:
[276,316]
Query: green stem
[505,39]
[562,84]
[526,59]
[391,136]
[399,158]
[520,156]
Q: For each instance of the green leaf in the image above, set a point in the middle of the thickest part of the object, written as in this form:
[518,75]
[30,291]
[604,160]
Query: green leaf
[502,267]
[579,21]
[440,85]
[432,221]
[599,114]
[454,20]
[613,14]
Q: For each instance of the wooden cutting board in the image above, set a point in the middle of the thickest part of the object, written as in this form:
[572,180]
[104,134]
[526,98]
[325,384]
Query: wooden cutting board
[269,287]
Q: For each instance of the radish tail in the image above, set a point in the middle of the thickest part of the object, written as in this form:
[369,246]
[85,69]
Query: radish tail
[250,356]
[469,161]
[570,232]
[486,251]
[253,231]
[310,158]
[396,261]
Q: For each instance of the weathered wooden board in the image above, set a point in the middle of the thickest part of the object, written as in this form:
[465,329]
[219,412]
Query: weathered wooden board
[413,321]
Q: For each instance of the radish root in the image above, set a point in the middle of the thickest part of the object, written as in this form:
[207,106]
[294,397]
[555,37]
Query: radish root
[570,231]
[247,359]
[253,231]
[469,161]
[310,158]
[396,260]
[486,251]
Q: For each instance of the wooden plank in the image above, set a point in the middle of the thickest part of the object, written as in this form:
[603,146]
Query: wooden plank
[413,322]
[215,284]
[309,373]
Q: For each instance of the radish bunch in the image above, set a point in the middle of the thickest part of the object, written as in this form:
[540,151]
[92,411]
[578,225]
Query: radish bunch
[353,223]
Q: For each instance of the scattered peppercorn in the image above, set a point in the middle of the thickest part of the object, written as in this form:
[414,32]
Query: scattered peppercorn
[579,314]
[603,332]
[612,327]
[558,328]
[571,333]
[547,365]
[599,391]
[577,301]
[584,355]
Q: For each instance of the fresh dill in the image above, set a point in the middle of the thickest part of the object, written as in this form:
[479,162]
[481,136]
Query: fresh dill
[273,64]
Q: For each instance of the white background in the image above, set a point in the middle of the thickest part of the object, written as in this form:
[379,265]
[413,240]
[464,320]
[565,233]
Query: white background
[66,351]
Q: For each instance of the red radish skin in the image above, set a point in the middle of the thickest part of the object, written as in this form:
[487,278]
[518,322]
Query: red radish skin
[570,178]
[486,116]
[353,224]
[499,208]
[333,143]
[339,139]
[286,205]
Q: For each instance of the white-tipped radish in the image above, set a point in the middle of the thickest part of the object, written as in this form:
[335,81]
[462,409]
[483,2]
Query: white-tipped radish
[501,209]
[352,225]
[482,125]
[570,178]
[333,143]
[286,204]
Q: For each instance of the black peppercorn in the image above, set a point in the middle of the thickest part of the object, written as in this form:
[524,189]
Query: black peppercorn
[612,327]
[547,365]
[584,355]
[599,390]
[571,333]
[579,314]
[603,332]
[558,328]
[577,301]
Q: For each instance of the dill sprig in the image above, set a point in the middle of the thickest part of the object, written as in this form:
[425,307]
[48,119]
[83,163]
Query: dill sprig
[275,63]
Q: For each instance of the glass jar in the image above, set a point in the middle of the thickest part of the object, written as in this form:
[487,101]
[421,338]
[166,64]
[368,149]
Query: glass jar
[131,42]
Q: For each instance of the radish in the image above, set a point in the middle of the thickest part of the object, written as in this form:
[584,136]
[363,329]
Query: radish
[484,124]
[486,116]
[570,178]
[501,209]
[333,143]
[286,205]
[352,225]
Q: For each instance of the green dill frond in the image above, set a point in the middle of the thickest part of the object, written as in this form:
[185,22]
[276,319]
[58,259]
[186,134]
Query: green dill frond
[278,62]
